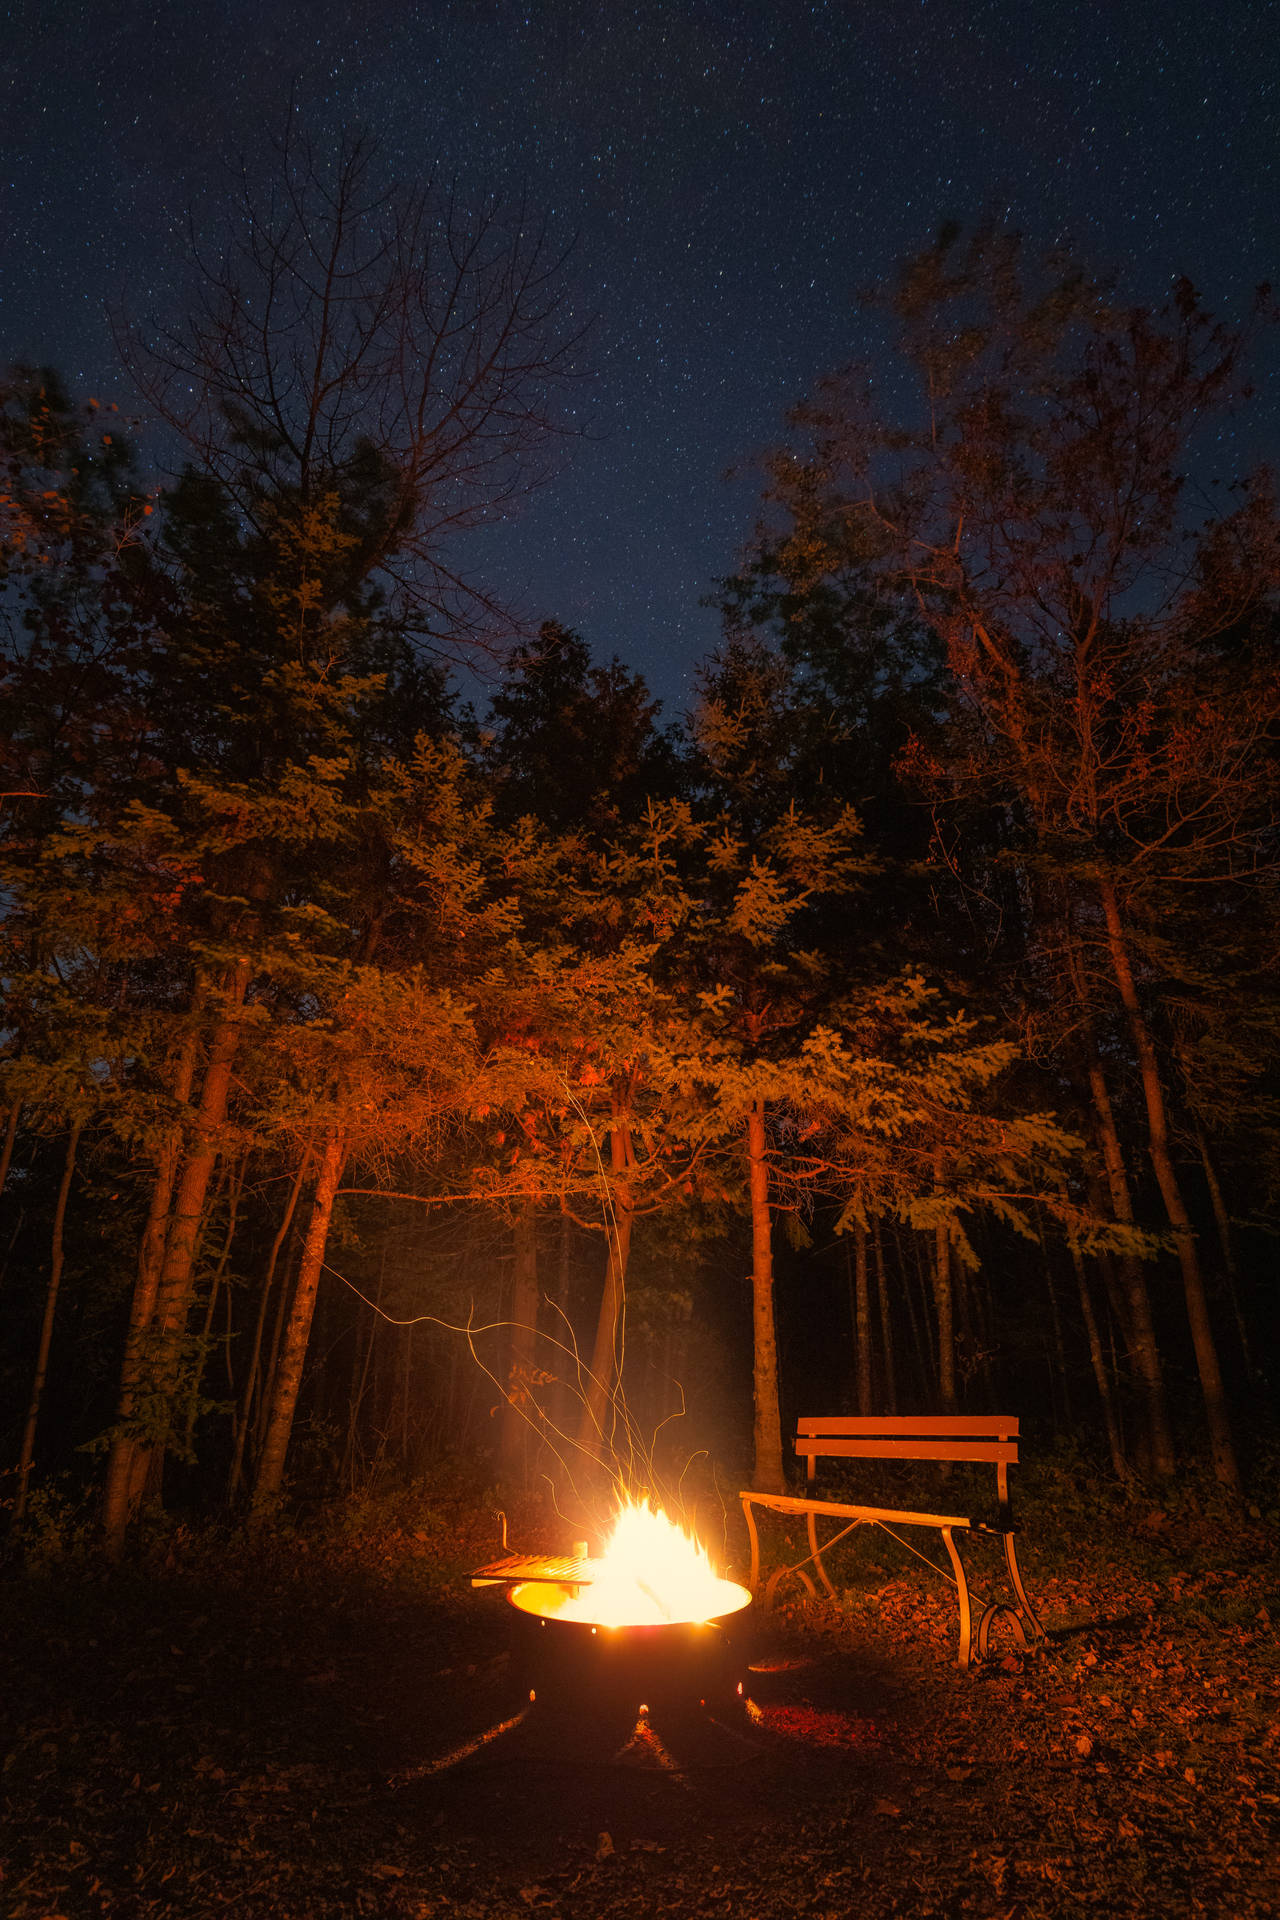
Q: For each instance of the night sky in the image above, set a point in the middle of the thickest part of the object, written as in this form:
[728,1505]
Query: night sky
[735,170]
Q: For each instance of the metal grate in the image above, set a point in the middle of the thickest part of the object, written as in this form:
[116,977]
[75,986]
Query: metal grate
[513,1567]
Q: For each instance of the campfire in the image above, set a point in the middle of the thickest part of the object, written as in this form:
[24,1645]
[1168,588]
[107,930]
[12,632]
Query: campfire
[651,1574]
[641,1626]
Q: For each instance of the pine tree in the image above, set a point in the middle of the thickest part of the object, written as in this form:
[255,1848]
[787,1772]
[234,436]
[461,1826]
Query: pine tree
[1111,687]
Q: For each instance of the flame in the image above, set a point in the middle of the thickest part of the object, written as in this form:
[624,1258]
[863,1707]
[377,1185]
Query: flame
[651,1573]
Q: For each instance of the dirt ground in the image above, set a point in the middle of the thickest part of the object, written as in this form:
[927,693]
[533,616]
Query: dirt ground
[327,1727]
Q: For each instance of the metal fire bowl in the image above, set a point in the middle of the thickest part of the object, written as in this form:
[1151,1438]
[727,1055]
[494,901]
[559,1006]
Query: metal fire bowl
[678,1668]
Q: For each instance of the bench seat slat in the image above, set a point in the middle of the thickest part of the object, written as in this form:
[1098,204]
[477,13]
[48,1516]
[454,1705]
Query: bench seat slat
[841,1509]
[930,1425]
[886,1449]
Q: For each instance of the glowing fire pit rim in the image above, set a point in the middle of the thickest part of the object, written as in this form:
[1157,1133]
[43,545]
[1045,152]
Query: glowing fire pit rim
[522,1595]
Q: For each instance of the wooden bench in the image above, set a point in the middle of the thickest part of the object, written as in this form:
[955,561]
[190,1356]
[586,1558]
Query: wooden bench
[992,1438]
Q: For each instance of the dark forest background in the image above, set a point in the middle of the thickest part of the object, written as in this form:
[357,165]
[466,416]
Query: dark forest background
[383,1078]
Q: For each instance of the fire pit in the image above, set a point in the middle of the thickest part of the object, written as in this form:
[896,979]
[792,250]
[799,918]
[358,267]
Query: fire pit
[649,1629]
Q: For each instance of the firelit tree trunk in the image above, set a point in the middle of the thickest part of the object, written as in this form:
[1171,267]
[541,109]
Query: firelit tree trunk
[768,1475]
[1206,1351]
[595,1428]
[1139,1330]
[255,1353]
[210,1306]
[293,1352]
[519,1416]
[28,1451]
[562,1401]
[117,1495]
[161,1337]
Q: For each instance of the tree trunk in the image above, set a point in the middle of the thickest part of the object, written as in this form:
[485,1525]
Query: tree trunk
[361,1362]
[255,1355]
[27,1454]
[117,1500]
[923,1345]
[1137,1325]
[563,1393]
[1055,1317]
[215,1283]
[943,1311]
[1206,1351]
[288,1378]
[1119,1465]
[886,1324]
[595,1428]
[862,1316]
[1222,1221]
[520,1414]
[134,1462]
[10,1135]
[768,1476]
[1140,1330]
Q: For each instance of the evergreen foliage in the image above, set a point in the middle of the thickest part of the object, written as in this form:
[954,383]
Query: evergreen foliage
[368,1070]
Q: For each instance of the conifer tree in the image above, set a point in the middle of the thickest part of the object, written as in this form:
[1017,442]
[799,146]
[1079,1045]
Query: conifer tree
[1112,691]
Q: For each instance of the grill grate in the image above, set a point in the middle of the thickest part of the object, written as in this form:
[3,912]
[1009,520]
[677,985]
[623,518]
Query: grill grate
[513,1567]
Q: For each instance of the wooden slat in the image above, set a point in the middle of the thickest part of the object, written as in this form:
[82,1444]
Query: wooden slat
[841,1509]
[997,1424]
[873,1448]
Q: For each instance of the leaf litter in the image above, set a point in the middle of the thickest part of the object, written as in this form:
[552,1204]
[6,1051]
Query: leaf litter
[224,1737]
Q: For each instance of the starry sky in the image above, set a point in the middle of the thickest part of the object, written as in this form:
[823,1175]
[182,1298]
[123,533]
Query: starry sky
[735,171]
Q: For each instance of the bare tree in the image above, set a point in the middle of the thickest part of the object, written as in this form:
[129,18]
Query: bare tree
[346,332]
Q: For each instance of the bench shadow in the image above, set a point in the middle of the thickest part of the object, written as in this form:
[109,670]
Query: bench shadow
[1119,1626]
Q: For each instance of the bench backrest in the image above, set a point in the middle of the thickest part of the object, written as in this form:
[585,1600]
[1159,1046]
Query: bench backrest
[991,1437]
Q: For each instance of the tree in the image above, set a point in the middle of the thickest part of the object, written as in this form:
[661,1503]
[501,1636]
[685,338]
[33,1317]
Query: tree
[793,1056]
[1112,693]
[572,744]
[390,345]
[364,372]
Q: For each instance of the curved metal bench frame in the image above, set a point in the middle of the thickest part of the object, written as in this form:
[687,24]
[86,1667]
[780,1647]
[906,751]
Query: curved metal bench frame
[988,1438]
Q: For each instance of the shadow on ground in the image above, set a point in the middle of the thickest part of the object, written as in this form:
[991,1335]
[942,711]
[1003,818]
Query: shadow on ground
[311,1744]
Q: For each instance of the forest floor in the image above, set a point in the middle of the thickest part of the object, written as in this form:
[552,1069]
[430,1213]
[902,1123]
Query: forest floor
[326,1724]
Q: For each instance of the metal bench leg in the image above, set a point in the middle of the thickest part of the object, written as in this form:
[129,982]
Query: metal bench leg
[817,1555]
[1015,1576]
[748,1508]
[962,1593]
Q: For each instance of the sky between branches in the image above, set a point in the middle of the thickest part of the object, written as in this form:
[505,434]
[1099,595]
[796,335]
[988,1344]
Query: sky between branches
[735,170]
